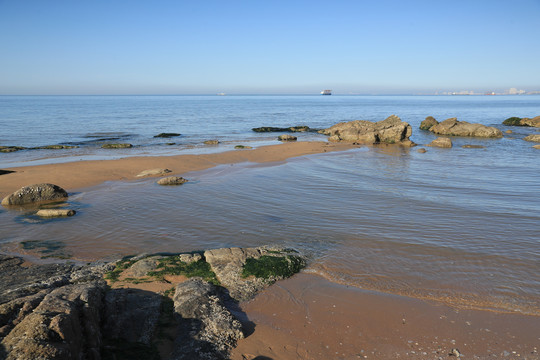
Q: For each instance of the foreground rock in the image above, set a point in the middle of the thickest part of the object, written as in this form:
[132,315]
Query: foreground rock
[36,193]
[172,180]
[153,172]
[64,311]
[441,142]
[55,212]
[389,131]
[453,127]
[516,121]
[533,138]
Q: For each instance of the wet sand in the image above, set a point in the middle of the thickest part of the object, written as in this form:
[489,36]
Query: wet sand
[81,174]
[308,317]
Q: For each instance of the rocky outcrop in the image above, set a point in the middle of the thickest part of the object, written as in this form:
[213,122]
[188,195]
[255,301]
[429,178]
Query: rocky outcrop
[453,127]
[172,180]
[390,131]
[428,123]
[441,142]
[287,137]
[37,193]
[65,311]
[516,121]
[153,172]
[207,330]
[533,138]
[8,149]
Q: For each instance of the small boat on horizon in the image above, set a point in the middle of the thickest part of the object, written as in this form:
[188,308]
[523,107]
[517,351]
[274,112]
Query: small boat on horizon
[326,92]
[221,94]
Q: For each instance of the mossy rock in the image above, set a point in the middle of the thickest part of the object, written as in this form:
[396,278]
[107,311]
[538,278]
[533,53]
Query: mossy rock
[116,146]
[513,121]
[57,147]
[172,265]
[298,128]
[273,267]
[9,149]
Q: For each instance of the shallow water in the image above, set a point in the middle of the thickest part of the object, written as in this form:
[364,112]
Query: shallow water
[455,225]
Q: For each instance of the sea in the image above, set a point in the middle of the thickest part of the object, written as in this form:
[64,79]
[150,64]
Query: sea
[459,226]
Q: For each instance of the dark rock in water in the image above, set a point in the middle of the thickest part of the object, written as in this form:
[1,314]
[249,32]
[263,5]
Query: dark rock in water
[8,149]
[167,135]
[172,180]
[287,137]
[211,142]
[428,123]
[35,194]
[422,151]
[473,146]
[242,147]
[116,146]
[57,147]
[453,127]
[516,121]
[299,128]
[208,330]
[390,131]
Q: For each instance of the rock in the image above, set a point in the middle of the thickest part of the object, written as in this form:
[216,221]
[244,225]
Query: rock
[131,315]
[536,146]
[207,329]
[153,172]
[441,142]
[391,131]
[422,150]
[8,149]
[211,142]
[453,127]
[5,172]
[172,180]
[473,147]
[167,135]
[516,121]
[55,212]
[299,128]
[242,147]
[189,258]
[116,146]
[428,123]
[57,147]
[533,138]
[141,267]
[455,352]
[36,193]
[287,137]
[508,131]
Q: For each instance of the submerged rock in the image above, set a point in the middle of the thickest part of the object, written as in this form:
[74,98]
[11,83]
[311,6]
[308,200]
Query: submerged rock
[57,147]
[287,137]
[421,150]
[441,142]
[153,172]
[116,146]
[172,180]
[55,212]
[453,127]
[211,142]
[473,146]
[390,131]
[242,147]
[8,149]
[36,193]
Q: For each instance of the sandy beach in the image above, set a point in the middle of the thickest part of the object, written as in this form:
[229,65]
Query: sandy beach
[308,317]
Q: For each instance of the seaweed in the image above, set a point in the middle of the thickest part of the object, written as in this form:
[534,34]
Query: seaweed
[513,121]
[122,265]
[174,266]
[267,266]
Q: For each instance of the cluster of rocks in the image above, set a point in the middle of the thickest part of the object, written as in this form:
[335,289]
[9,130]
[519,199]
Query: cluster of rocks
[453,127]
[389,131]
[517,121]
[66,311]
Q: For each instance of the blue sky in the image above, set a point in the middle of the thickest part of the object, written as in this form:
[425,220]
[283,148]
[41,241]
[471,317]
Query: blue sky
[198,47]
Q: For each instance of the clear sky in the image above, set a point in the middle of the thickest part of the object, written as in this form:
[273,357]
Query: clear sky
[198,47]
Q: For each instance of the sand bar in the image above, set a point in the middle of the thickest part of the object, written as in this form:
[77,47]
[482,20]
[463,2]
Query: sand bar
[74,175]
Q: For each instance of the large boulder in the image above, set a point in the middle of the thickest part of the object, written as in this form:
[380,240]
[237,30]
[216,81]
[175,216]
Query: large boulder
[390,131]
[453,127]
[516,121]
[428,123]
[36,193]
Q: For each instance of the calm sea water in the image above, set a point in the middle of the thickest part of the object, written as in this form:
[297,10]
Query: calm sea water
[456,225]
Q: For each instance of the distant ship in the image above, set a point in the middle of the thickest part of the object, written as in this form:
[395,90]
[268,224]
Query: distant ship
[326,92]
[221,94]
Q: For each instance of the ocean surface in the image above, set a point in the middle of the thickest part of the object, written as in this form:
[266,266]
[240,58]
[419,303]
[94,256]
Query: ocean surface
[461,226]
